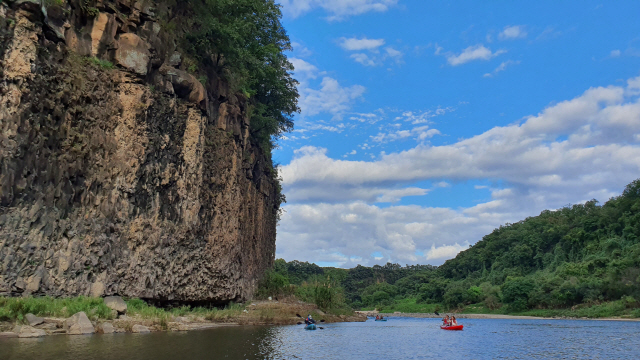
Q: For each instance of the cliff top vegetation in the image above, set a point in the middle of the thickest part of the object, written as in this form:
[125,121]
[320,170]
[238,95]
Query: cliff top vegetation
[244,43]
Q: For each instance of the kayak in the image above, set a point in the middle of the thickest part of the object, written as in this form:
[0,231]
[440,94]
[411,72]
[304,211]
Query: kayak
[457,327]
[310,327]
[381,319]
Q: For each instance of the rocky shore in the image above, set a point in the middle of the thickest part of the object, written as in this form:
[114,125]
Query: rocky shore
[288,312]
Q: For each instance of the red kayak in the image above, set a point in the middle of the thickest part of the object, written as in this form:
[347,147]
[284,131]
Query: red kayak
[457,327]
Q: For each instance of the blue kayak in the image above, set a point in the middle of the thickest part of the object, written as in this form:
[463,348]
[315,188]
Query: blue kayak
[381,319]
[310,327]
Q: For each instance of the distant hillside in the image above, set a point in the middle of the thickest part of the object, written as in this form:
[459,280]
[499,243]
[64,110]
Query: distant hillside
[576,257]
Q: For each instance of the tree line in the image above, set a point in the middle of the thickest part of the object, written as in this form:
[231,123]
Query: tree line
[578,256]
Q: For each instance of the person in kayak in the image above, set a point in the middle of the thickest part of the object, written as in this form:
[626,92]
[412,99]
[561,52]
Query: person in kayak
[309,320]
[377,317]
[445,321]
[454,322]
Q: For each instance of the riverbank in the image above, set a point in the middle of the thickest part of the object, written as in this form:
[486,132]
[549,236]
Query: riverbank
[488,316]
[36,317]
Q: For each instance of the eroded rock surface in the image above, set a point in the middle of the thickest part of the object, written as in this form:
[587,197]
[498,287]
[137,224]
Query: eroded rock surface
[109,186]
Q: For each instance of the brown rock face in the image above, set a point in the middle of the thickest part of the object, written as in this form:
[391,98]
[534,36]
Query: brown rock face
[108,187]
[132,53]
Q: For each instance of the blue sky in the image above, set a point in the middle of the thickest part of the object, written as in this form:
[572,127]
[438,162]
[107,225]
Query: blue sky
[427,124]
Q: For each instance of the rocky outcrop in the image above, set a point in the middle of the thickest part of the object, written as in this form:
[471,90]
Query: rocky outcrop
[120,172]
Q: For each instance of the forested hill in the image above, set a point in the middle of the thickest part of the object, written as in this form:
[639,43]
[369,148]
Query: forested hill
[586,255]
[582,253]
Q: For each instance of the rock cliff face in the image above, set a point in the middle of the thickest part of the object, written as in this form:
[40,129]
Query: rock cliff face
[128,179]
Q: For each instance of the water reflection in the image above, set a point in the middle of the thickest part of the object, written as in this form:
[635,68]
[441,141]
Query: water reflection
[395,339]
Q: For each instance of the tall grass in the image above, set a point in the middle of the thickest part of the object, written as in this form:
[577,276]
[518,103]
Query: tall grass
[12,309]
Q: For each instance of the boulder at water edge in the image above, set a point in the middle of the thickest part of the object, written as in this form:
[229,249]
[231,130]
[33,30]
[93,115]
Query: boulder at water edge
[79,324]
[33,320]
[105,328]
[140,329]
[25,331]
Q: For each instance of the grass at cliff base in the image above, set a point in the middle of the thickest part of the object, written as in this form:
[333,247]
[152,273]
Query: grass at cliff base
[283,312]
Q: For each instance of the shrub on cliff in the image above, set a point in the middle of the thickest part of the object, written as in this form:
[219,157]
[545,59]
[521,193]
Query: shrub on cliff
[244,42]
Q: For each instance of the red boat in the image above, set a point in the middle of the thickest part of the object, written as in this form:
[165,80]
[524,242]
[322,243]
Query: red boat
[456,327]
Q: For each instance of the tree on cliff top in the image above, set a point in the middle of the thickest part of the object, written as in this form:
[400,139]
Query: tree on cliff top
[244,41]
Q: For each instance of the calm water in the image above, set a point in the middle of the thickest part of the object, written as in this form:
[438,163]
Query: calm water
[398,338]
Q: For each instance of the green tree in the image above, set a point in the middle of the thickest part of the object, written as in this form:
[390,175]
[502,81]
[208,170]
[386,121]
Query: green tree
[244,42]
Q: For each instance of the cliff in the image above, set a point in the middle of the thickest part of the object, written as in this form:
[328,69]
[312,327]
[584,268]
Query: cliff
[120,172]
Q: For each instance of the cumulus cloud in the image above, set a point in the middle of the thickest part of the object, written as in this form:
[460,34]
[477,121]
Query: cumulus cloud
[372,46]
[444,251]
[502,67]
[337,9]
[406,234]
[573,151]
[418,133]
[355,44]
[512,32]
[363,59]
[330,98]
[304,69]
[476,52]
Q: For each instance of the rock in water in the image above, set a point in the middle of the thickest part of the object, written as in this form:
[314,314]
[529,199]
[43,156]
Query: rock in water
[116,303]
[79,324]
[140,329]
[28,332]
[105,328]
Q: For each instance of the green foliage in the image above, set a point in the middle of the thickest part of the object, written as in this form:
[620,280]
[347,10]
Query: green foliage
[12,309]
[50,3]
[244,42]
[273,284]
[103,64]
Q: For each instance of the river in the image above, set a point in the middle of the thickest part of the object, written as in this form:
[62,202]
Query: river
[398,338]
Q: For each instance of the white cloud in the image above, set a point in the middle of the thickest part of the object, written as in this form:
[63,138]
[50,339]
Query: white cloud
[477,52]
[583,148]
[419,133]
[363,59]
[373,58]
[512,32]
[300,50]
[338,9]
[354,44]
[394,54]
[444,252]
[357,230]
[303,68]
[615,53]
[503,66]
[331,98]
